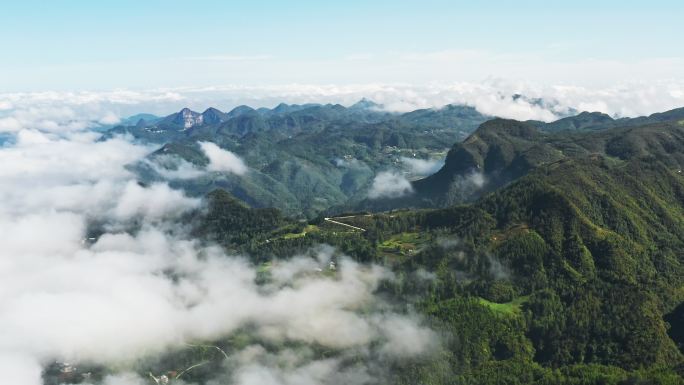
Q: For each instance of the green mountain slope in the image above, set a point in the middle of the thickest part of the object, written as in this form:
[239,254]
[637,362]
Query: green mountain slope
[303,159]
[572,274]
[568,268]
[312,158]
[501,151]
[598,121]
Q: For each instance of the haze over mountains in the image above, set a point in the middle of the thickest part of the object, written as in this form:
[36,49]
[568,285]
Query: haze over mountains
[310,158]
[302,158]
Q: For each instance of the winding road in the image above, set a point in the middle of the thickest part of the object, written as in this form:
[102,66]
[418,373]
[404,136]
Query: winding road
[331,220]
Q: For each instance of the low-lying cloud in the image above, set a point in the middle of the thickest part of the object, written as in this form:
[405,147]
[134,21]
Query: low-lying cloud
[173,167]
[465,187]
[422,167]
[65,111]
[142,287]
[389,184]
[221,160]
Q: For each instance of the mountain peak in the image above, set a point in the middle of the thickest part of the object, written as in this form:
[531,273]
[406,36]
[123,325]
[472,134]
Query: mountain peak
[239,110]
[281,108]
[366,104]
[212,110]
[213,116]
[186,118]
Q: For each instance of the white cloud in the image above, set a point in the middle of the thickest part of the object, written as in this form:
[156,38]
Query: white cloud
[125,379]
[154,202]
[260,368]
[172,167]
[222,160]
[389,185]
[109,118]
[127,295]
[406,338]
[422,167]
[110,303]
[74,110]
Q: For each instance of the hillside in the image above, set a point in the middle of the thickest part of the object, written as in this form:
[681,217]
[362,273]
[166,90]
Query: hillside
[563,265]
[302,159]
[570,274]
[501,151]
[312,158]
[597,121]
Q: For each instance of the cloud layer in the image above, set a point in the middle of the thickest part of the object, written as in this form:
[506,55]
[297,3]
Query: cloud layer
[68,111]
[139,286]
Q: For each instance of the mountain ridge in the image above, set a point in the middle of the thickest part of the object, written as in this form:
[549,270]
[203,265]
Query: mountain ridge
[339,150]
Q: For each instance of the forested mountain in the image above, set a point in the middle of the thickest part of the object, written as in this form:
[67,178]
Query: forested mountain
[536,255]
[569,272]
[342,193]
[598,120]
[501,151]
[312,158]
[302,159]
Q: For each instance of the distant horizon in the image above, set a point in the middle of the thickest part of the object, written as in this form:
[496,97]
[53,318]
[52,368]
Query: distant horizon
[38,110]
[79,45]
[103,61]
[381,108]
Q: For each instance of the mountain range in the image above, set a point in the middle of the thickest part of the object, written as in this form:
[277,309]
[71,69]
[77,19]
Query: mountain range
[501,151]
[302,159]
[312,158]
[560,264]
[537,253]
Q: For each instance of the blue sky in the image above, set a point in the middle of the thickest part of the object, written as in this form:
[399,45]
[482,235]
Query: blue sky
[75,45]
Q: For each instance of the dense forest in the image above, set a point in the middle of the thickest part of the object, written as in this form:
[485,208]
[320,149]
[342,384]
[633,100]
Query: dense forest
[570,274]
[565,267]
[302,158]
